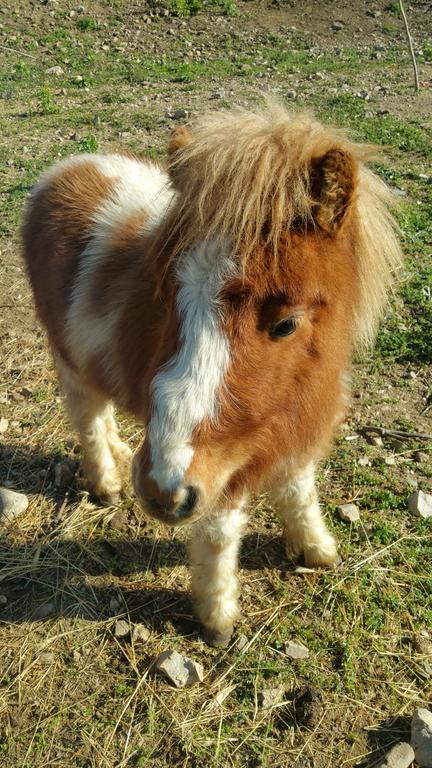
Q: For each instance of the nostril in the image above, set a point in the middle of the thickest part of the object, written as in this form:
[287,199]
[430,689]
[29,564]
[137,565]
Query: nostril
[188,505]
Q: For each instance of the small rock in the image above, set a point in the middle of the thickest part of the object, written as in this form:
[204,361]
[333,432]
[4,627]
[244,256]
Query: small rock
[419,456]
[63,475]
[55,71]
[291,94]
[420,504]
[12,504]
[178,669]
[45,610]
[348,512]
[422,644]
[121,629]
[308,704]
[296,650]
[421,736]
[219,94]
[3,600]
[4,424]
[400,756]
[376,440]
[46,659]
[181,114]
[396,444]
[242,642]
[337,25]
[114,604]
[390,461]
[76,657]
[26,392]
[268,697]
[364,461]
[140,634]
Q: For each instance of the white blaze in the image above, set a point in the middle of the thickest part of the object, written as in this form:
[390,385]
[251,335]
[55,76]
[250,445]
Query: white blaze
[185,390]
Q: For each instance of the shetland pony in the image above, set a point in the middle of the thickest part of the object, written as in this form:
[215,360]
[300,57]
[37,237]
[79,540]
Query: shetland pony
[219,302]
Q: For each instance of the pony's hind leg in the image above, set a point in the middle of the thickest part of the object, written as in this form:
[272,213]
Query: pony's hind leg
[296,499]
[92,416]
[215,589]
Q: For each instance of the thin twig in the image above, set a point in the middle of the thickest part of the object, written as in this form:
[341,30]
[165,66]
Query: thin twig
[398,433]
[410,45]
[19,53]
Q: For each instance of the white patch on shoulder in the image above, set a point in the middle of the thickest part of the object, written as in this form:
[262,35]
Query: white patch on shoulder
[138,187]
[184,391]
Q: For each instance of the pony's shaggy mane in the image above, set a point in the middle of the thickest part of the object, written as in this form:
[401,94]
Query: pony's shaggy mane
[247,176]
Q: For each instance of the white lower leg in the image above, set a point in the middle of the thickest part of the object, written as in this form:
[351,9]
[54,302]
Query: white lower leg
[88,412]
[121,452]
[214,555]
[296,500]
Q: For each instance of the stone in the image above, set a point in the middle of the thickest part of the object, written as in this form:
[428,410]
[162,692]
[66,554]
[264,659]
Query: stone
[337,25]
[4,424]
[12,504]
[140,634]
[376,440]
[242,642]
[55,71]
[291,94]
[400,756]
[419,456]
[420,504]
[219,94]
[422,644]
[390,461]
[121,629]
[421,736]
[180,114]
[46,659]
[296,650]
[178,669]
[364,461]
[76,657]
[63,475]
[348,512]
[45,610]
[3,600]
[269,697]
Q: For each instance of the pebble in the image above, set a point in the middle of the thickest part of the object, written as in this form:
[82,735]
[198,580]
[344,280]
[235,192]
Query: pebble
[337,25]
[12,504]
[242,642]
[421,736]
[46,659]
[420,504]
[3,600]
[180,114]
[45,610]
[121,629]
[419,456]
[390,461]
[4,424]
[63,475]
[291,94]
[378,441]
[348,512]
[140,634]
[400,756]
[364,461]
[55,71]
[268,697]
[76,657]
[219,94]
[422,644]
[178,669]
[296,650]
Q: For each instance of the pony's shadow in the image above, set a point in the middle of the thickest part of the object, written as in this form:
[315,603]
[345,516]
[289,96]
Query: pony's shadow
[384,736]
[53,575]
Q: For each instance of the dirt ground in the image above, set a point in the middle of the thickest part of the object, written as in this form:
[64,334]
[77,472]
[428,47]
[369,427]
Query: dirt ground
[71,693]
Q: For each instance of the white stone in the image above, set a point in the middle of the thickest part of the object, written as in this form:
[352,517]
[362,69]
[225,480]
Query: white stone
[55,71]
[12,504]
[4,424]
[268,697]
[140,634]
[178,669]
[420,504]
[400,756]
[296,650]
[121,629]
[421,736]
[348,512]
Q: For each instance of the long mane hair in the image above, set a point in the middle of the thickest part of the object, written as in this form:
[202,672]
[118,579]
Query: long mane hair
[246,176]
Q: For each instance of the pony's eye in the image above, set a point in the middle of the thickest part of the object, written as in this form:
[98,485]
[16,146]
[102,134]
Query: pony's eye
[284,327]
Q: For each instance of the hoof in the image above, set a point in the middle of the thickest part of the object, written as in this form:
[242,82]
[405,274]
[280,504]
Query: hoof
[109,499]
[215,638]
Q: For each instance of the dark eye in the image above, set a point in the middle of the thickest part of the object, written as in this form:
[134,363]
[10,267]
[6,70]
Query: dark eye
[284,328]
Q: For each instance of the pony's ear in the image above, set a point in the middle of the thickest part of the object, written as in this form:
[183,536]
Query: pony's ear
[333,180]
[179,138]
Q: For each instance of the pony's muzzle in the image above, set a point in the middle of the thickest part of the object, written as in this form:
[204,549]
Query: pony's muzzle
[170,507]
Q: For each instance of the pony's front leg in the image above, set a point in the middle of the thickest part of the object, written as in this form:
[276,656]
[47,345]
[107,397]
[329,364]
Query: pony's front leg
[295,497]
[214,555]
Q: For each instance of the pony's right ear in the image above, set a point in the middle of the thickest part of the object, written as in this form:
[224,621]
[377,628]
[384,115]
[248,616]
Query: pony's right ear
[180,138]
